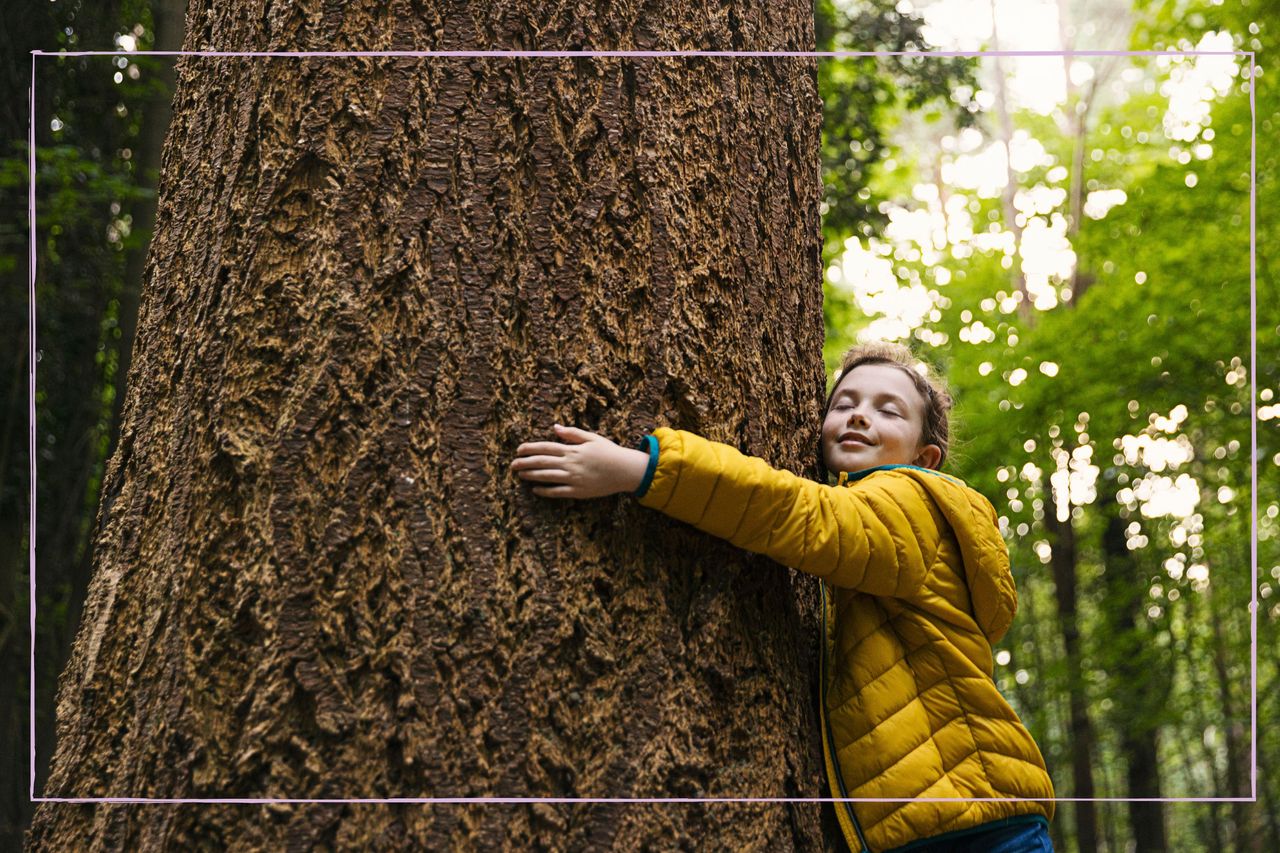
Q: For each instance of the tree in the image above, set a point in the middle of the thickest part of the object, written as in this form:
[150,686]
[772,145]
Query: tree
[370,279]
[85,123]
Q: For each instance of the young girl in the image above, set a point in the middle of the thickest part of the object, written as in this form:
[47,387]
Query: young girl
[916,589]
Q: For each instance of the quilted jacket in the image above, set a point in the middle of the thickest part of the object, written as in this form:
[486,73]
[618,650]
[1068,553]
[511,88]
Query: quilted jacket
[916,588]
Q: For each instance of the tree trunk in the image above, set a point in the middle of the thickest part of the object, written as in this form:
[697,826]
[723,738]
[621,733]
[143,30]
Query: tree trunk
[1140,680]
[371,279]
[77,273]
[1063,561]
[1194,747]
[1017,277]
[1234,727]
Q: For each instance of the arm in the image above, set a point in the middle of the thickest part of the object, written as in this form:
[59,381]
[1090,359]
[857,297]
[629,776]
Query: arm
[863,538]
[879,537]
[586,465]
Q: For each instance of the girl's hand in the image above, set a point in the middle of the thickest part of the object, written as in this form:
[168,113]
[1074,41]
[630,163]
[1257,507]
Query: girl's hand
[585,466]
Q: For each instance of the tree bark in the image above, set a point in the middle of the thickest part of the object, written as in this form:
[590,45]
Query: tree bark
[370,280]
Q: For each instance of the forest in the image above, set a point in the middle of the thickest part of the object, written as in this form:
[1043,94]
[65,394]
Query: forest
[1064,209]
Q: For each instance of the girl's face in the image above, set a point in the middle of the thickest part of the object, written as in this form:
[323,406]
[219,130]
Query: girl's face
[876,418]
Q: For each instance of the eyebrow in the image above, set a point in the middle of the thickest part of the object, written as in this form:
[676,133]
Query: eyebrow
[885,395]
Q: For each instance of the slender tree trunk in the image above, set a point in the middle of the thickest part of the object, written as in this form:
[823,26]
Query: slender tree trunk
[1016,276]
[1212,833]
[1141,687]
[1270,805]
[74,283]
[23,27]
[1234,727]
[1063,561]
[370,280]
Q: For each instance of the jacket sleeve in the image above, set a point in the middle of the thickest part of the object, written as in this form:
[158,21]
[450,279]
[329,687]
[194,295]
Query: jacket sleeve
[879,537]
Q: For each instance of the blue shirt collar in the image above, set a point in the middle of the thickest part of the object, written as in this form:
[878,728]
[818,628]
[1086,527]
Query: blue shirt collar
[847,477]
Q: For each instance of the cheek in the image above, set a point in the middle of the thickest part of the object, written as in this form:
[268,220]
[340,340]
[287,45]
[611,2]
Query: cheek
[912,436]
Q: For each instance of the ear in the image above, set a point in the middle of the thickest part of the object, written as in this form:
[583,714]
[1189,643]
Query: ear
[929,456]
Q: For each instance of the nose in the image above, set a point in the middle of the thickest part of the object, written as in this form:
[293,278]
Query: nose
[857,415]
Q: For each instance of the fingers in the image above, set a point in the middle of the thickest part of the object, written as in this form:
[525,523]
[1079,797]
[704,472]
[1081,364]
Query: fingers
[546,463]
[528,463]
[546,448]
[553,491]
[573,434]
[546,475]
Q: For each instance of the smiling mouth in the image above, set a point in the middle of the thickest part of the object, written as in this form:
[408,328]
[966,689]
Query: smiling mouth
[854,442]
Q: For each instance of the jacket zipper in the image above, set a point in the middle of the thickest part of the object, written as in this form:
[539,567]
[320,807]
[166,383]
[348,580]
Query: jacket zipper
[848,820]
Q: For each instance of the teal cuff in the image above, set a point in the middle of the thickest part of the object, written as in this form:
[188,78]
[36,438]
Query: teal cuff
[649,444]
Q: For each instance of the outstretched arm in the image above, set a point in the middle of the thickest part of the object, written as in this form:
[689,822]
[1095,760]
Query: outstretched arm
[581,465]
[863,538]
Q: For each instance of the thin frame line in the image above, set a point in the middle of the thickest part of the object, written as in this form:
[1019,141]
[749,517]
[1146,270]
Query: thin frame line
[253,800]
[1253,293]
[1253,423]
[638,53]
[31,439]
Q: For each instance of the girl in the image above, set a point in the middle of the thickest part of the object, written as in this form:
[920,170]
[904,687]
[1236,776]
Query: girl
[916,589]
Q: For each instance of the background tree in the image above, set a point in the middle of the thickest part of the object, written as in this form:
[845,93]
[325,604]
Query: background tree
[864,99]
[88,121]
[370,280]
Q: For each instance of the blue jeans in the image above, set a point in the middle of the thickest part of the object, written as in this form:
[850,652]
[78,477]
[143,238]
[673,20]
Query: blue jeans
[1028,838]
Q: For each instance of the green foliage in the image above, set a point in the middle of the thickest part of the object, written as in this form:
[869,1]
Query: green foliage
[1160,325]
[862,95]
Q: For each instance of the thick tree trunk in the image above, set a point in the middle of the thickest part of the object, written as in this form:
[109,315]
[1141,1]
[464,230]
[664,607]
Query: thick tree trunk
[371,279]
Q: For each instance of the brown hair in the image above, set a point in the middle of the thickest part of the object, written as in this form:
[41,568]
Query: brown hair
[933,390]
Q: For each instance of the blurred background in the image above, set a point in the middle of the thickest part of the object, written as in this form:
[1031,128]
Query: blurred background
[1065,237]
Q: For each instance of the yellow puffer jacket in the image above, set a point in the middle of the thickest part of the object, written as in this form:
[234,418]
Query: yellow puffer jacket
[920,588]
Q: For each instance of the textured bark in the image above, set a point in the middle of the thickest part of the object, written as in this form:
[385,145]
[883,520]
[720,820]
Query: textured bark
[371,279]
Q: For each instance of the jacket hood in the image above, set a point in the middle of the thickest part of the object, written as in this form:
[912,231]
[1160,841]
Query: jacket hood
[982,548]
